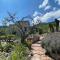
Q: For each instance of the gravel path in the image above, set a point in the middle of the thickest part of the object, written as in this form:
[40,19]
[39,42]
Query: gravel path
[38,52]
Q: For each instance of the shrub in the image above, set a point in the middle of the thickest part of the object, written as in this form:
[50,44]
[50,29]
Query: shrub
[1,48]
[3,37]
[29,43]
[8,48]
[8,37]
[19,53]
[40,30]
[52,45]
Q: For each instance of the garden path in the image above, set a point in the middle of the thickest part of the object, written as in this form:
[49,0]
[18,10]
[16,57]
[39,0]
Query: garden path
[38,52]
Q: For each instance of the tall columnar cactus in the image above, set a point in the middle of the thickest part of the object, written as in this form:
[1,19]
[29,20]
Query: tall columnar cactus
[51,27]
[57,24]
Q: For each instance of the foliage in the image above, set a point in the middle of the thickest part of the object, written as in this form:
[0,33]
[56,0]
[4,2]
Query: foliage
[40,31]
[21,26]
[7,37]
[2,56]
[44,27]
[1,48]
[19,53]
[8,48]
[52,45]
[31,31]
[29,43]
[11,37]
[51,27]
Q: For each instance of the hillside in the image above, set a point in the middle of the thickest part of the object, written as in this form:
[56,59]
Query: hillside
[44,26]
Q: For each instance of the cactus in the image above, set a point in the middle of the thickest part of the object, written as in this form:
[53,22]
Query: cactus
[51,27]
[57,25]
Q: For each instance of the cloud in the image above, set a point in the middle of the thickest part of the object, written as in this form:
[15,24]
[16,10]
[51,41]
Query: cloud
[36,13]
[45,2]
[54,14]
[48,15]
[58,1]
[47,7]
[59,19]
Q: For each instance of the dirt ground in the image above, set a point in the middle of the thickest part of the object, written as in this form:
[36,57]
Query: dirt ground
[38,52]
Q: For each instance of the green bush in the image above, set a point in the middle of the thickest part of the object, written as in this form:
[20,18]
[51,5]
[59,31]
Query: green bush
[10,36]
[29,43]
[1,48]
[19,53]
[7,37]
[52,45]
[3,37]
[40,31]
[8,48]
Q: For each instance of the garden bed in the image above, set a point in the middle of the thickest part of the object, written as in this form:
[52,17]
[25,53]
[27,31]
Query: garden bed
[52,45]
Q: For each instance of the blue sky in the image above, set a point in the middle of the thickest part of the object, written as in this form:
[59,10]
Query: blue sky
[21,7]
[47,11]
[44,10]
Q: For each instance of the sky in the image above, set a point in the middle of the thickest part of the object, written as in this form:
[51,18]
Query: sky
[22,8]
[48,11]
[40,10]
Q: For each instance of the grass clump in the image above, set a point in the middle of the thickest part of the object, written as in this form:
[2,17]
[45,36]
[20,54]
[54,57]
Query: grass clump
[19,53]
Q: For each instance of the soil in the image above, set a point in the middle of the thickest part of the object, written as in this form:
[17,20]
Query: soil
[38,53]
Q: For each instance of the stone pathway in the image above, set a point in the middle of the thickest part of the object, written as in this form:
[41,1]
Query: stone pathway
[38,52]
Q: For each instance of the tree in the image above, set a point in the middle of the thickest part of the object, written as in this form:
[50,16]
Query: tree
[24,25]
[21,25]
